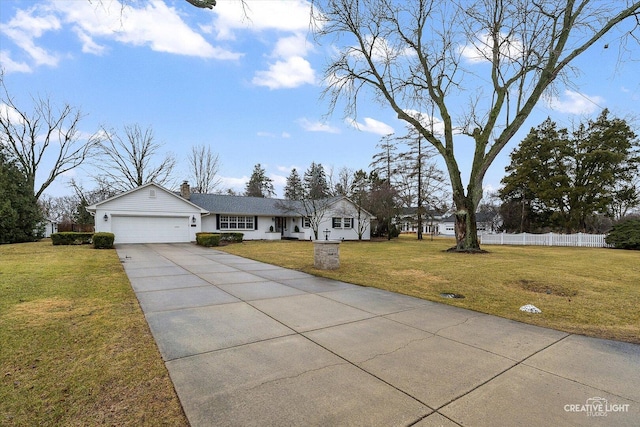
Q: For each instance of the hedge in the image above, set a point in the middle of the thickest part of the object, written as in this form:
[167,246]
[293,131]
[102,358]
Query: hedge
[214,239]
[103,240]
[71,238]
[208,239]
[232,237]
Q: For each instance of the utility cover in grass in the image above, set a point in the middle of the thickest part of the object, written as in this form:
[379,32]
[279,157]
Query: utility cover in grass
[529,308]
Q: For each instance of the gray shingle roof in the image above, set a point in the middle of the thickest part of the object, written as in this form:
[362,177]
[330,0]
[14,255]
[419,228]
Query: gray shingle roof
[241,205]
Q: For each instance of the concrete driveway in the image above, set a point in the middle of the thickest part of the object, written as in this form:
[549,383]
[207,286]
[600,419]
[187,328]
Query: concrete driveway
[248,343]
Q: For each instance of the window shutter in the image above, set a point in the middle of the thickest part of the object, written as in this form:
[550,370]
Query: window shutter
[256,223]
[217,221]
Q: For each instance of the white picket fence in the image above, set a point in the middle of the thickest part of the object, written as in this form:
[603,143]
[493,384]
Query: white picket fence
[548,239]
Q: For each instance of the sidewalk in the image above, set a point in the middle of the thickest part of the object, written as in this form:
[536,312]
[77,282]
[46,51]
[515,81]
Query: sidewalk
[248,343]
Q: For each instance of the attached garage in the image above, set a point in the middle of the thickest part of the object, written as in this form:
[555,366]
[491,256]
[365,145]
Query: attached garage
[148,214]
[136,229]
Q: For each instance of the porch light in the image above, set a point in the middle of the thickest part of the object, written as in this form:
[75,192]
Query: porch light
[193,219]
[106,217]
[326,234]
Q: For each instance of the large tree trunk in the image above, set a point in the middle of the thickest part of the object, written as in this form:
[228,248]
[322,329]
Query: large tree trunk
[466,229]
[465,215]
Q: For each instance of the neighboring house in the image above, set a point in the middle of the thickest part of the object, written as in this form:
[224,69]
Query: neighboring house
[153,214]
[486,223]
[49,227]
[407,221]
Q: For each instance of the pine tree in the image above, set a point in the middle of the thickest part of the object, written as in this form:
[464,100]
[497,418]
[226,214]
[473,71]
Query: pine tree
[559,179]
[294,190]
[19,211]
[315,182]
[259,185]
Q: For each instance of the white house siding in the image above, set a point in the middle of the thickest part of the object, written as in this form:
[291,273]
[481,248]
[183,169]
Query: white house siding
[170,216]
[342,209]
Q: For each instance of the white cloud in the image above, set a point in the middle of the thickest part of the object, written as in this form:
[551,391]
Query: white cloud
[10,114]
[236,184]
[576,103]
[287,169]
[290,21]
[289,73]
[372,126]
[11,66]
[261,15]
[88,44]
[278,180]
[317,126]
[26,27]
[482,50]
[295,45]
[434,124]
[154,25]
[381,50]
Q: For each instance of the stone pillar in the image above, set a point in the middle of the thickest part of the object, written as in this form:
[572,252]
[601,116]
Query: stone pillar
[326,254]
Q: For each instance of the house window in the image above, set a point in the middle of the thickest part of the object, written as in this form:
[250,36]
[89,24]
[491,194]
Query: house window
[306,222]
[342,222]
[232,222]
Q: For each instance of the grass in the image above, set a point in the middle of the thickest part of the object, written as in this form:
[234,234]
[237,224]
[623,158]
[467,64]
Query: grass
[75,347]
[589,291]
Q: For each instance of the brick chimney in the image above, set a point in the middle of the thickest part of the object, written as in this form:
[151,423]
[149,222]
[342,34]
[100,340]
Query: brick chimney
[185,191]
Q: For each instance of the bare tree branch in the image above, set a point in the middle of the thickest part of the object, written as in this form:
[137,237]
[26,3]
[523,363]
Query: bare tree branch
[47,130]
[131,162]
[490,60]
[204,166]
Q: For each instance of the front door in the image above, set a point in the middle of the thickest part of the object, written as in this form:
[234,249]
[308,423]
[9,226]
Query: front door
[280,225]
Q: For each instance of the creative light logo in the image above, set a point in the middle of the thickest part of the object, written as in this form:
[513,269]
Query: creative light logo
[597,407]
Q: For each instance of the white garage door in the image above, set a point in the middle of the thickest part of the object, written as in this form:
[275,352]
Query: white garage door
[137,229]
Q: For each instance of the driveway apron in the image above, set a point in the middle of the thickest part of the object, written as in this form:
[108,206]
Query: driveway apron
[252,344]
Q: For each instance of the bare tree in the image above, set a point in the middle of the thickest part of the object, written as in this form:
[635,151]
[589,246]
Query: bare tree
[131,162]
[311,210]
[489,60]
[48,132]
[344,182]
[204,165]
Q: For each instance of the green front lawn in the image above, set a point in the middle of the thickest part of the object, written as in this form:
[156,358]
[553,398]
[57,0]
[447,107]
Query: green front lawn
[75,348]
[588,291]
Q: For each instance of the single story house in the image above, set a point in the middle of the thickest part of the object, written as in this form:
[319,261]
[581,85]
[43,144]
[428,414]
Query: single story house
[407,220]
[154,214]
[49,227]
[486,223]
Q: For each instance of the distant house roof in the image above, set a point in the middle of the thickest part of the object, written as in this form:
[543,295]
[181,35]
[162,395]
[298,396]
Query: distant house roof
[413,211]
[480,217]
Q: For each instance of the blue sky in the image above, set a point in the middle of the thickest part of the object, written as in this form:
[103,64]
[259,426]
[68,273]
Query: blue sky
[249,88]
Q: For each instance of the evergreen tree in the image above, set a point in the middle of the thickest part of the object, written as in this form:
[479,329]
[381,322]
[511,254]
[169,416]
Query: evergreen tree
[315,182]
[19,211]
[294,190]
[83,218]
[259,185]
[560,180]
